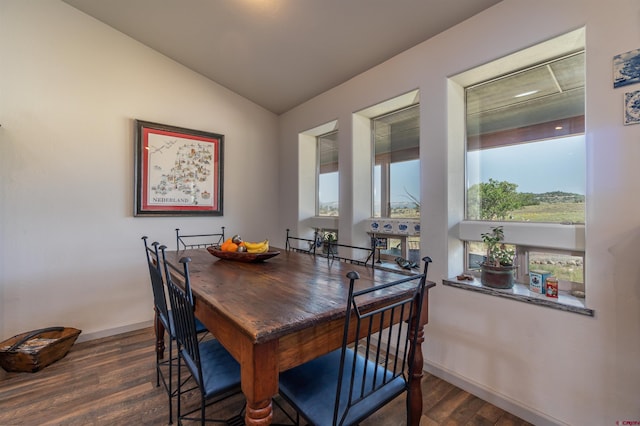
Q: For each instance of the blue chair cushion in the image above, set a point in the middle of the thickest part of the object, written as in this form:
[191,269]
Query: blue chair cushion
[311,388]
[200,327]
[220,372]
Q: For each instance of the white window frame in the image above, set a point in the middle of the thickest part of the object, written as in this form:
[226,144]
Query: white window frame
[363,132]
[567,238]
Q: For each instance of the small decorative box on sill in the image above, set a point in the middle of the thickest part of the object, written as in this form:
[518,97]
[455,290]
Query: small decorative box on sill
[34,350]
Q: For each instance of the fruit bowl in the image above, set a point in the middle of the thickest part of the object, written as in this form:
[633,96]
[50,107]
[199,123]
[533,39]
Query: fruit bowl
[242,256]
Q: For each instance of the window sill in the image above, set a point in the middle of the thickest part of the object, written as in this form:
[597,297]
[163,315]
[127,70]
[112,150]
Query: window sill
[520,292]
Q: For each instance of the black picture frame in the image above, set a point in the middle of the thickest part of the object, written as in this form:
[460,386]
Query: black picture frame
[178,171]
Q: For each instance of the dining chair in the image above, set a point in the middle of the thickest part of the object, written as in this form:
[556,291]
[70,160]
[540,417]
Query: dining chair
[297,243]
[356,254]
[191,241]
[349,384]
[165,317]
[214,370]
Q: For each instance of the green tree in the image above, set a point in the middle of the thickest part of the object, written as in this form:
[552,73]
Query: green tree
[493,200]
[528,199]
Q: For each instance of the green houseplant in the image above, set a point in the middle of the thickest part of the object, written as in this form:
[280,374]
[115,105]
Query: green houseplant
[329,240]
[498,267]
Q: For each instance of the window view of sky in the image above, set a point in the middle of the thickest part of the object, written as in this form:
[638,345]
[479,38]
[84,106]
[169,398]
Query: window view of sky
[546,166]
[403,175]
[328,188]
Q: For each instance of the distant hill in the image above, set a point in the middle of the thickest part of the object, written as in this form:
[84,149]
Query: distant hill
[528,198]
[555,197]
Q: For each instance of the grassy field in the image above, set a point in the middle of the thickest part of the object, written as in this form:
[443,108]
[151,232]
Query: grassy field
[551,212]
[543,212]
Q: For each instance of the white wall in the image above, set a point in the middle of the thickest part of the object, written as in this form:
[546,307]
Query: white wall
[546,365]
[70,89]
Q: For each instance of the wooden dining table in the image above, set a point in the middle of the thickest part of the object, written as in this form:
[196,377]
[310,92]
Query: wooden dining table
[279,313]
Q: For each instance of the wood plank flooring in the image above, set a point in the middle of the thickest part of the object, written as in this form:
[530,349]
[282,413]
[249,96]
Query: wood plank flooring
[111,381]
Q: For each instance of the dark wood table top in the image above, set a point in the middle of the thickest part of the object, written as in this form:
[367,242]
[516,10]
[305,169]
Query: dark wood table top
[273,298]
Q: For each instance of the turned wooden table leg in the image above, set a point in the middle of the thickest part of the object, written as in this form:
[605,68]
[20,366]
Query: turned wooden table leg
[259,413]
[159,330]
[259,371]
[414,401]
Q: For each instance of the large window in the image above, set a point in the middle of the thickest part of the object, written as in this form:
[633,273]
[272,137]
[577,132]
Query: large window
[327,175]
[525,158]
[525,144]
[396,174]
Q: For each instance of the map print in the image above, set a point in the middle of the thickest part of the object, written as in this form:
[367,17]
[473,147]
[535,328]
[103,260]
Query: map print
[180,171]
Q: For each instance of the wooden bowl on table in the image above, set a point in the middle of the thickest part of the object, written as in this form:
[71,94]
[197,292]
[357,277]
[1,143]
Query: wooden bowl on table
[242,256]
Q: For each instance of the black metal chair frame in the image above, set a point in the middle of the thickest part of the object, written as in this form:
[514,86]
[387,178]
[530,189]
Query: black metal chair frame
[182,304]
[332,249]
[371,349]
[164,315]
[312,243]
[216,240]
[333,254]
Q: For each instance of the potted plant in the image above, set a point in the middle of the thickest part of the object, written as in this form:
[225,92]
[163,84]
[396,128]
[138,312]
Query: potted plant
[498,267]
[328,243]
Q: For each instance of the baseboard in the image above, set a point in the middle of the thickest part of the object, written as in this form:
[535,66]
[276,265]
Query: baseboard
[514,407]
[113,331]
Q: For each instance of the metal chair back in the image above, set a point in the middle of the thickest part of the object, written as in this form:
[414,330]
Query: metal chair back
[297,243]
[182,309]
[382,339]
[192,241]
[367,254]
[157,283]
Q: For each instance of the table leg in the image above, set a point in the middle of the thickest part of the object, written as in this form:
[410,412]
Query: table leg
[414,402]
[259,371]
[259,413]
[159,330]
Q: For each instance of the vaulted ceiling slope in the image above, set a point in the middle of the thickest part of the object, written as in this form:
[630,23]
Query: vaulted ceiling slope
[280,53]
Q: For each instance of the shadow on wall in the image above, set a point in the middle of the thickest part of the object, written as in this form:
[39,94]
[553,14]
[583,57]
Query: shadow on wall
[626,267]
[626,288]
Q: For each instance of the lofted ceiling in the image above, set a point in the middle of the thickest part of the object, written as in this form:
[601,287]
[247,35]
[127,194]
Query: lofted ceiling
[280,53]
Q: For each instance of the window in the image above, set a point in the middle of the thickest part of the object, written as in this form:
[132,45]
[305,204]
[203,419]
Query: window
[525,158]
[396,174]
[525,144]
[565,265]
[328,183]
[317,168]
[407,247]
[386,139]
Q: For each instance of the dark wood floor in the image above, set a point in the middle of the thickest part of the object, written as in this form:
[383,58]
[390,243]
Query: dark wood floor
[111,381]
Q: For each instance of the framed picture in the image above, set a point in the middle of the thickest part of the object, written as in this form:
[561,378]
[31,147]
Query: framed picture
[632,107]
[178,171]
[626,68]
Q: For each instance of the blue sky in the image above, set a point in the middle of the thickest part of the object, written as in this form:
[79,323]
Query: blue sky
[552,165]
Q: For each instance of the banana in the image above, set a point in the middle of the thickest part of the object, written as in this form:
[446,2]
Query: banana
[259,247]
